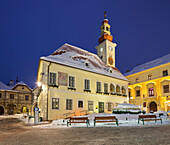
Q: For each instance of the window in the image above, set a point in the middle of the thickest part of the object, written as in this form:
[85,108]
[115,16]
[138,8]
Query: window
[80,104]
[144,104]
[151,91]
[55,103]
[23,88]
[107,28]
[69,104]
[0,95]
[11,96]
[112,88]
[98,86]
[109,106]
[137,80]
[105,88]
[52,78]
[26,97]
[90,105]
[149,77]
[137,93]
[71,81]
[166,89]
[87,84]
[123,91]
[117,89]
[165,73]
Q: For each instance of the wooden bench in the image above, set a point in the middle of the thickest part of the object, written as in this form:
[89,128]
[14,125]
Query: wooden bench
[103,119]
[78,120]
[148,118]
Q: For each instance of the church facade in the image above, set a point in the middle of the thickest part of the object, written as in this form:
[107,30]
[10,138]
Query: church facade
[76,82]
[150,85]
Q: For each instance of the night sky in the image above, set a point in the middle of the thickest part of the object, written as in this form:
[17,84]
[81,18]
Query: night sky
[30,29]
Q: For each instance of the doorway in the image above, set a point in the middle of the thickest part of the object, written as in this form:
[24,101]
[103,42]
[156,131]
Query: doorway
[1,110]
[101,107]
[153,106]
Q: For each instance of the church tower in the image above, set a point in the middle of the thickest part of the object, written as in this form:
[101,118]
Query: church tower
[106,48]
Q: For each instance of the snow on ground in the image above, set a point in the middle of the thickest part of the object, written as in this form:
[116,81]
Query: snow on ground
[123,119]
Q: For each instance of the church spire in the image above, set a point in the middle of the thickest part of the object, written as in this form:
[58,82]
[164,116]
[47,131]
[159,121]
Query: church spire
[105,30]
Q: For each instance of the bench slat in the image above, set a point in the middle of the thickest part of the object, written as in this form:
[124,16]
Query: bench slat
[79,118]
[105,117]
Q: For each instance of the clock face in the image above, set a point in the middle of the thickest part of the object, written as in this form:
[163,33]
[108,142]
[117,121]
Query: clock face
[110,48]
[101,49]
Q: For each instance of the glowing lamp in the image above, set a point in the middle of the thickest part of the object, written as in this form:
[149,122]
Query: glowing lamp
[39,84]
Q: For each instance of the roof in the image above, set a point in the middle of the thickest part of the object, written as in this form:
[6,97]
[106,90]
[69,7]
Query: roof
[76,57]
[4,87]
[151,64]
[21,83]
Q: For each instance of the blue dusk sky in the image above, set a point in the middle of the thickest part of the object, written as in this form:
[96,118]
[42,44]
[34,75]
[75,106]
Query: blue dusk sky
[30,29]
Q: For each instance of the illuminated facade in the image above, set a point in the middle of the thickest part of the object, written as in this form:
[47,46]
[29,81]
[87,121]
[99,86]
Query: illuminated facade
[150,85]
[76,82]
[15,99]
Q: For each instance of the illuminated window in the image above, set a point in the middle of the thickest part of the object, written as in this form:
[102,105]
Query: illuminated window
[123,91]
[55,103]
[80,104]
[87,84]
[151,91]
[144,104]
[165,73]
[166,89]
[52,78]
[90,105]
[117,89]
[26,97]
[71,81]
[137,80]
[69,103]
[112,88]
[137,93]
[11,96]
[105,88]
[149,77]
[98,86]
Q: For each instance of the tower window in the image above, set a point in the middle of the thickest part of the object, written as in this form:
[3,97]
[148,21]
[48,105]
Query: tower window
[149,77]
[107,28]
[165,73]
[101,57]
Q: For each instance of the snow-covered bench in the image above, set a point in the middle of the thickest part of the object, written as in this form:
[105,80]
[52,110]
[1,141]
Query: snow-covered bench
[78,120]
[103,119]
[148,118]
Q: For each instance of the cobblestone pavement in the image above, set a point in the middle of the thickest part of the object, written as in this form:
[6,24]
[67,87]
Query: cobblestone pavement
[21,135]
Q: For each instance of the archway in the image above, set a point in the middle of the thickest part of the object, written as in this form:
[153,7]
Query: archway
[153,106]
[1,110]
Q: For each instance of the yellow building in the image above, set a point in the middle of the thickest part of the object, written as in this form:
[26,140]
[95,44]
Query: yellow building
[149,85]
[76,82]
[15,99]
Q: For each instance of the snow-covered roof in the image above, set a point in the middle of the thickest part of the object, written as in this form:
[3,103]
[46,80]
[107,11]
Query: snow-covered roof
[21,83]
[76,57]
[157,62]
[4,87]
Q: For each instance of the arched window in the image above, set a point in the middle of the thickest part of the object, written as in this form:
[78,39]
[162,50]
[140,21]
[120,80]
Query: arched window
[118,89]
[123,90]
[112,88]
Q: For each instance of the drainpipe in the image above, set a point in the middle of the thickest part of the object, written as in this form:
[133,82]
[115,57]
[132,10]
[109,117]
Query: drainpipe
[48,87]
